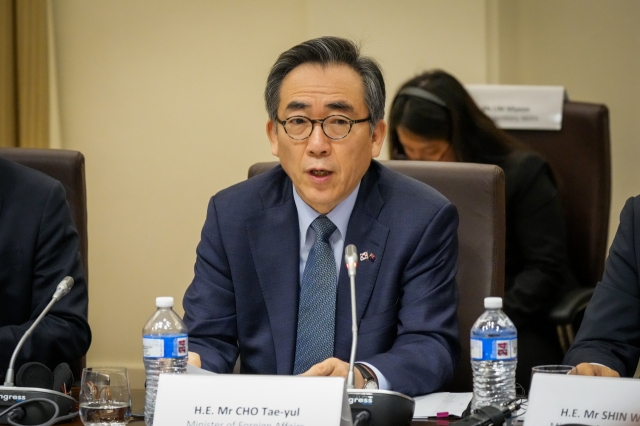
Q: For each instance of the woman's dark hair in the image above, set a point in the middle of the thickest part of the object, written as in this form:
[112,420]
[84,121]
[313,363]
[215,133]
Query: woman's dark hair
[452,115]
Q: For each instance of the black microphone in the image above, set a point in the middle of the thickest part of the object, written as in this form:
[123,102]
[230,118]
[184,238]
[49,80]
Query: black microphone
[38,412]
[385,408]
[489,415]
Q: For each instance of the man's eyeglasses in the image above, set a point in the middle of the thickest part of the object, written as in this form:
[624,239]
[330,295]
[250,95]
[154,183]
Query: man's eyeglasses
[334,126]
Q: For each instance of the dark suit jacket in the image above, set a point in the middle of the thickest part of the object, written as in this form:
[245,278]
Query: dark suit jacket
[537,270]
[610,330]
[38,248]
[244,297]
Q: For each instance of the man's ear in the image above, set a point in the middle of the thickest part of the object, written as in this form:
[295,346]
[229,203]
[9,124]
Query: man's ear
[377,138]
[272,133]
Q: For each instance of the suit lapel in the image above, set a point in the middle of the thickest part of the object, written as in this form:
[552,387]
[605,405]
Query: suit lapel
[368,235]
[275,248]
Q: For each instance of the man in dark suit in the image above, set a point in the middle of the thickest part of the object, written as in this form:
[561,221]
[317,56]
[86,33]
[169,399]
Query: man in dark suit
[608,342]
[260,289]
[38,248]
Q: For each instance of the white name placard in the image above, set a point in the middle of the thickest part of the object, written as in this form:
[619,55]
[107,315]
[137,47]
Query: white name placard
[250,400]
[520,107]
[557,399]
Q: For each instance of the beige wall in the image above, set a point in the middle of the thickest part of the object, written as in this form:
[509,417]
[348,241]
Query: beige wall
[591,47]
[164,98]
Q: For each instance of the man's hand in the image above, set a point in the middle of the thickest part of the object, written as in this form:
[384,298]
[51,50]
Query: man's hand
[587,369]
[194,359]
[335,367]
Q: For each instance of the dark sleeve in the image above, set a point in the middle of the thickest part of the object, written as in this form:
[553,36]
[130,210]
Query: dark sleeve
[427,346]
[610,330]
[209,302]
[64,334]
[536,249]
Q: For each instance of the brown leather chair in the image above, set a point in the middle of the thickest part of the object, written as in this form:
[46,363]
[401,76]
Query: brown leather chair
[477,190]
[68,168]
[580,157]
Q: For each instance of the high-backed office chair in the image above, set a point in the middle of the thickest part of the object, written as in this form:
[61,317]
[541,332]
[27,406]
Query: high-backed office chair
[477,190]
[68,168]
[580,157]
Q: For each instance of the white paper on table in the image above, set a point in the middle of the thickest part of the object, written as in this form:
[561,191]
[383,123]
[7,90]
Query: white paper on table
[192,369]
[441,402]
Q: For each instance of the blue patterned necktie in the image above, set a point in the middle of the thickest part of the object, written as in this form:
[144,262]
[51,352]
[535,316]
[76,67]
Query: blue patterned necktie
[317,310]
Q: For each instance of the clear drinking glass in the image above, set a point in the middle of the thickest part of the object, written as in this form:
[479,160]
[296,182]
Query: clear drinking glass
[550,369]
[105,398]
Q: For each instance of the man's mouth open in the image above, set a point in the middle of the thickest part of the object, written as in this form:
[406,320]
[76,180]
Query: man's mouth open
[320,173]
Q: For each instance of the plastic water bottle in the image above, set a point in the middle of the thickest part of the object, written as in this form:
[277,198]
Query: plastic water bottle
[165,346]
[494,353]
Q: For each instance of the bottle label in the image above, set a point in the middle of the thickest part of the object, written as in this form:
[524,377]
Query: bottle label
[171,346]
[494,349]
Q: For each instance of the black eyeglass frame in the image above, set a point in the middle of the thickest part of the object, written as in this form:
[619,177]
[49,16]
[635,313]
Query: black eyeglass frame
[321,121]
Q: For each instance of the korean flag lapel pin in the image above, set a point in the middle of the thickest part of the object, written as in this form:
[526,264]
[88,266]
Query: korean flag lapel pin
[364,256]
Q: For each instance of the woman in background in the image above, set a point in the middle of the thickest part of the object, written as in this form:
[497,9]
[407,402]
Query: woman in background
[433,118]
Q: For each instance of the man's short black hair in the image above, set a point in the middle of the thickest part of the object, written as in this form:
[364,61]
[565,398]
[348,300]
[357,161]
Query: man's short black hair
[326,51]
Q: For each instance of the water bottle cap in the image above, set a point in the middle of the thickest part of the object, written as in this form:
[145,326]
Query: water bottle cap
[493,302]
[164,302]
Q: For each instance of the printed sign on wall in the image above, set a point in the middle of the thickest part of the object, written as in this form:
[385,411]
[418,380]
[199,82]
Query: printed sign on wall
[520,107]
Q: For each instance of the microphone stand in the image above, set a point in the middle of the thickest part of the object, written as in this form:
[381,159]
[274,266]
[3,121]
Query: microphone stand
[351,260]
[45,405]
[62,289]
[385,408]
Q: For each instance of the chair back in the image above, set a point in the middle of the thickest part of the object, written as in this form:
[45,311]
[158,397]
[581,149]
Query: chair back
[68,168]
[477,190]
[580,156]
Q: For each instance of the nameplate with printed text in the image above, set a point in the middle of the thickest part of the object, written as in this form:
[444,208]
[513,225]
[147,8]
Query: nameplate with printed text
[520,107]
[250,400]
[558,399]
